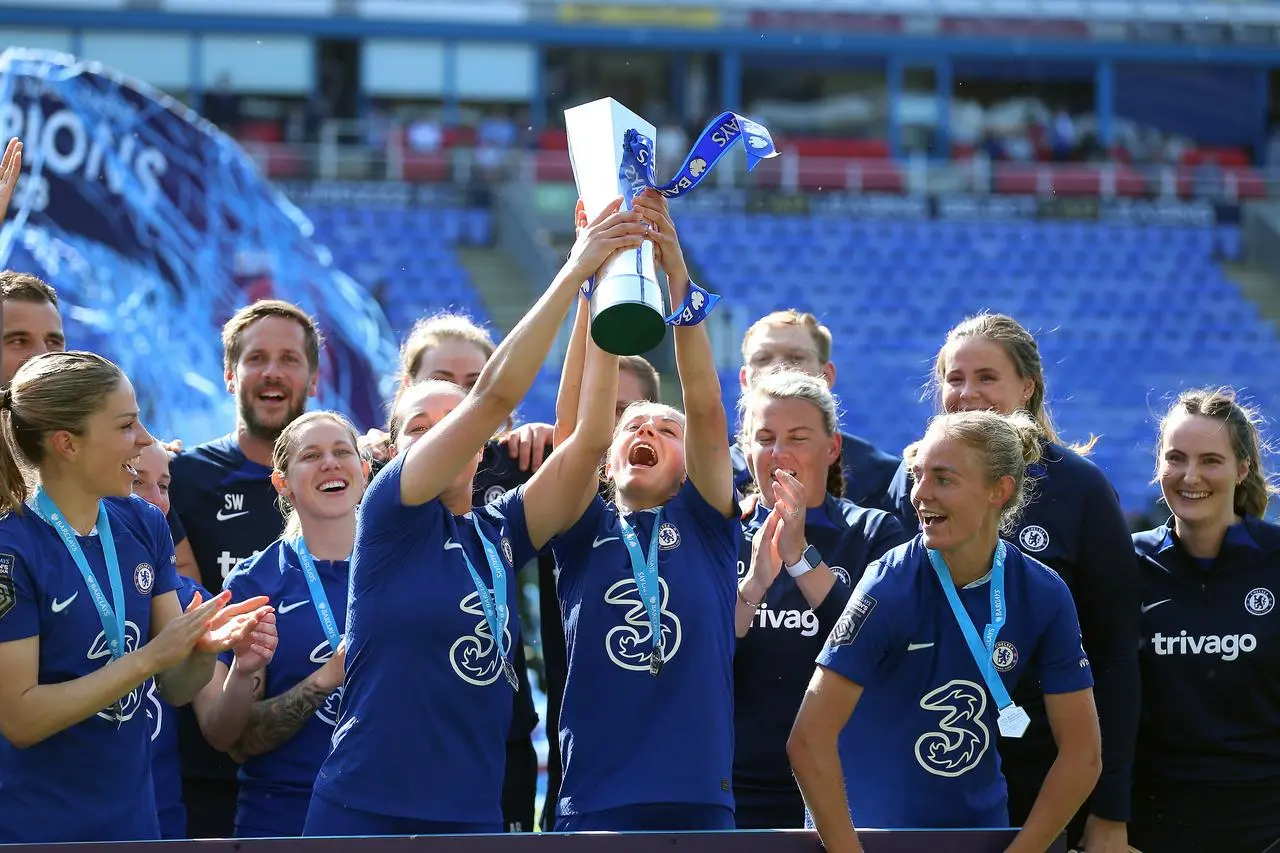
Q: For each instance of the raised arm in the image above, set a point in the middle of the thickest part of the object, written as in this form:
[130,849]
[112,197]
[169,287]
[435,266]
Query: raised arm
[571,377]
[706,426]
[435,461]
[575,356]
[560,492]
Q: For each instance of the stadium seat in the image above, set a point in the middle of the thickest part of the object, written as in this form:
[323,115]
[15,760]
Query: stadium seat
[1125,315]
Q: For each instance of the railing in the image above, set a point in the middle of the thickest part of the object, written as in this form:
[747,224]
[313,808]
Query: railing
[787,174]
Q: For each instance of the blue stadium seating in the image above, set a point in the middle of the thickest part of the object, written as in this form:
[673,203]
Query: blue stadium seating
[1125,315]
[410,251]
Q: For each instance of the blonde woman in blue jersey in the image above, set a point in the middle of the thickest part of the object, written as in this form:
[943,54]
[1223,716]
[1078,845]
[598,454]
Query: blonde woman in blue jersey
[647,585]
[88,609]
[930,685]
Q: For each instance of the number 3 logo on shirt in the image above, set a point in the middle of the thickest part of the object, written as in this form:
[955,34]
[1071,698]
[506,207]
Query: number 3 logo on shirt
[961,738]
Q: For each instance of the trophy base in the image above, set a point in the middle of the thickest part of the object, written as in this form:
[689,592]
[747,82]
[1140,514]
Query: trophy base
[628,328]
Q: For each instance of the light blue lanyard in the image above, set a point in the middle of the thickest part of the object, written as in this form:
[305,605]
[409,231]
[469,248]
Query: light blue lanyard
[648,584]
[987,642]
[113,618]
[493,604]
[319,600]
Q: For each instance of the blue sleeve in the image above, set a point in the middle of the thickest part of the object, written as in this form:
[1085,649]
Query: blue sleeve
[162,556]
[19,594]
[718,532]
[394,531]
[888,534]
[510,508]
[867,631]
[577,539]
[1060,660]
[741,474]
[176,529]
[898,500]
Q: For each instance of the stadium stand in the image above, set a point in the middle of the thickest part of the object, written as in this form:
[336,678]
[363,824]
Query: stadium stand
[890,289]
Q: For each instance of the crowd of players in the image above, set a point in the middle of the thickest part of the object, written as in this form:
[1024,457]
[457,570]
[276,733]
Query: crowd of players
[992,646]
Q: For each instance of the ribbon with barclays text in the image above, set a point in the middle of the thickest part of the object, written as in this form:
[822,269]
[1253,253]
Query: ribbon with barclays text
[636,175]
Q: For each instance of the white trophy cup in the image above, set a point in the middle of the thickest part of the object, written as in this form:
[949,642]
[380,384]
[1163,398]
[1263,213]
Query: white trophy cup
[627,316]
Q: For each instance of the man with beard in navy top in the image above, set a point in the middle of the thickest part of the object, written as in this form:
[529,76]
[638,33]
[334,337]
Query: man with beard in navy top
[792,340]
[223,496]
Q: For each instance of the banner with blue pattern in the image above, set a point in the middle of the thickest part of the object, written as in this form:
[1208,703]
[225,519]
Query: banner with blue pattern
[155,227]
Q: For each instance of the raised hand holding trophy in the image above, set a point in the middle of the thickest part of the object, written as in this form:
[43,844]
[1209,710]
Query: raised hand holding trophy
[611,151]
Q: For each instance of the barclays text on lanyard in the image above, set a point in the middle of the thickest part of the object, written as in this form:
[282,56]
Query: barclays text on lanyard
[636,174]
[1013,719]
[645,572]
[494,604]
[113,613]
[319,599]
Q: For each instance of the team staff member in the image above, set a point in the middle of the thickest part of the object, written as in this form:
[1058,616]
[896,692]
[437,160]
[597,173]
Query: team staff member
[1207,776]
[795,340]
[88,612]
[797,521]
[279,728]
[223,496]
[930,691]
[1074,524]
[420,743]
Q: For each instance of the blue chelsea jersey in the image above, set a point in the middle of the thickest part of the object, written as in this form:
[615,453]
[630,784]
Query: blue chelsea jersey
[773,663]
[275,787]
[425,710]
[919,750]
[165,769]
[627,737]
[92,781]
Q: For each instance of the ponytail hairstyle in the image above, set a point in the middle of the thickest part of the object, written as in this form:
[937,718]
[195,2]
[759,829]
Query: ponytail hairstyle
[286,447]
[1009,445]
[1254,492]
[52,392]
[1023,351]
[795,385]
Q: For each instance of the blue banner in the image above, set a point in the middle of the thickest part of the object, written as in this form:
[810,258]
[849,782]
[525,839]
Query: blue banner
[155,227]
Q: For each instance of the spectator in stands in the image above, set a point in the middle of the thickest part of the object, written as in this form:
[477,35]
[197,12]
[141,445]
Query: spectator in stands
[79,637]
[32,322]
[907,655]
[225,503]
[277,722]
[1207,776]
[791,339]
[426,703]
[1062,135]
[796,520]
[1074,524]
[649,627]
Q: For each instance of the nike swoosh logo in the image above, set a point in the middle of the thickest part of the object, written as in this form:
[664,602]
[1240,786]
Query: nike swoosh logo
[285,608]
[1153,605]
[599,541]
[59,606]
[223,515]
[915,647]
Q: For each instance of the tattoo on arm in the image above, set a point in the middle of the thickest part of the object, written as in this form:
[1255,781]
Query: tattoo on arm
[273,721]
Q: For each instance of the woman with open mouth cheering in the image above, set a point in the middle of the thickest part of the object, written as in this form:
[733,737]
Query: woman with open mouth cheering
[277,720]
